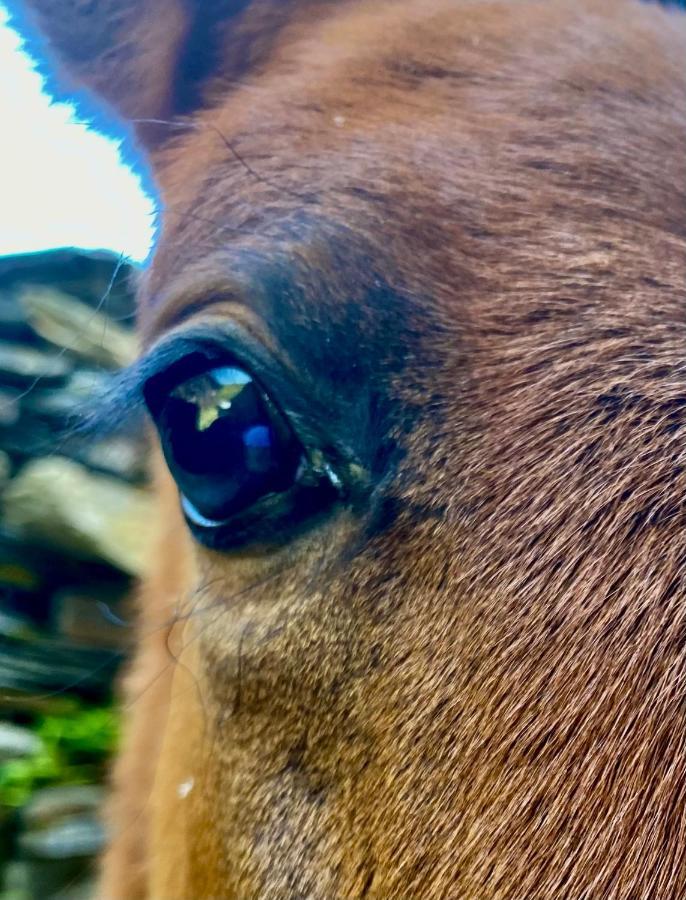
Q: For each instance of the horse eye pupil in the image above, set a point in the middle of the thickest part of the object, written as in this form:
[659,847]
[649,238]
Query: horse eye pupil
[225,442]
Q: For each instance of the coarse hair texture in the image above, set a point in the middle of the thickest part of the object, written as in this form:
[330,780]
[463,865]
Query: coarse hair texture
[457,232]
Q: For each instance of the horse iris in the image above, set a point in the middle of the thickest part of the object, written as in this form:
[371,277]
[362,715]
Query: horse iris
[225,442]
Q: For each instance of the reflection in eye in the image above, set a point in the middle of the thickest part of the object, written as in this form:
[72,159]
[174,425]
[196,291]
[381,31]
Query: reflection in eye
[257,441]
[212,393]
[225,442]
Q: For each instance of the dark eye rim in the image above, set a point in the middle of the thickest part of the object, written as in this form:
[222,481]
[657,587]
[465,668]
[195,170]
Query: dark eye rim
[275,519]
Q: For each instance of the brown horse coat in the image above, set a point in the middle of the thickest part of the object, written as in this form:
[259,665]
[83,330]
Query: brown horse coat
[455,231]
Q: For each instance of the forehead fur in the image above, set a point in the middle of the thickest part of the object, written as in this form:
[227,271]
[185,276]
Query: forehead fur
[520,175]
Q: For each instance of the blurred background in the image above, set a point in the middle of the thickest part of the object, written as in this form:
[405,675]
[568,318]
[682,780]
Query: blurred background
[75,223]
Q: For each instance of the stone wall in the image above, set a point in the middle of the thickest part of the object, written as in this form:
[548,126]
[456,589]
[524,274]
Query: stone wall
[74,513]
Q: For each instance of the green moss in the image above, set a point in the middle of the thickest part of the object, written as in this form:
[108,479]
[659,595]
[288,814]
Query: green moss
[74,750]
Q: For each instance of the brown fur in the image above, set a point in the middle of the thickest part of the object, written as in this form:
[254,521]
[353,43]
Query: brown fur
[470,683]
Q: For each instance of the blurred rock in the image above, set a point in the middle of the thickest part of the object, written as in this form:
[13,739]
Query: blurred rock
[14,626]
[12,701]
[13,324]
[62,504]
[87,616]
[51,424]
[98,278]
[45,422]
[73,528]
[59,857]
[9,407]
[77,837]
[123,457]
[64,321]
[55,407]
[52,804]
[28,438]
[76,392]
[16,742]
[5,468]
[45,666]
[22,365]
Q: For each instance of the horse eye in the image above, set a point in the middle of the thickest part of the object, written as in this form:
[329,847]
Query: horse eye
[226,444]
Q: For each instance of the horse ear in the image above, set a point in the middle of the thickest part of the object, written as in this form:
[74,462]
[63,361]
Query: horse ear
[146,59]
[123,51]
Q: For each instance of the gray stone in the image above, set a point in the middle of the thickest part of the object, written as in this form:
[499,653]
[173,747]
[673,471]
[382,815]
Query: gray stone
[5,467]
[76,837]
[28,438]
[16,742]
[54,406]
[64,561]
[22,365]
[51,418]
[53,804]
[9,407]
[13,324]
[42,667]
[15,626]
[64,321]
[92,516]
[120,456]
[98,278]
[77,390]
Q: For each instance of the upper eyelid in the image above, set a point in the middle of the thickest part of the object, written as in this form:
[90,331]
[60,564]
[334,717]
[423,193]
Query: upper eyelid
[278,378]
[195,291]
[120,403]
[219,336]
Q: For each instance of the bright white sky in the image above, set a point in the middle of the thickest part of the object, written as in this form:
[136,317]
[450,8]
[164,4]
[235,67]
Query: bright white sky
[61,184]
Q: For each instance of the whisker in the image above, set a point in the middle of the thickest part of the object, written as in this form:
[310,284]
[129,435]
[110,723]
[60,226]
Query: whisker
[235,153]
[262,179]
[219,605]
